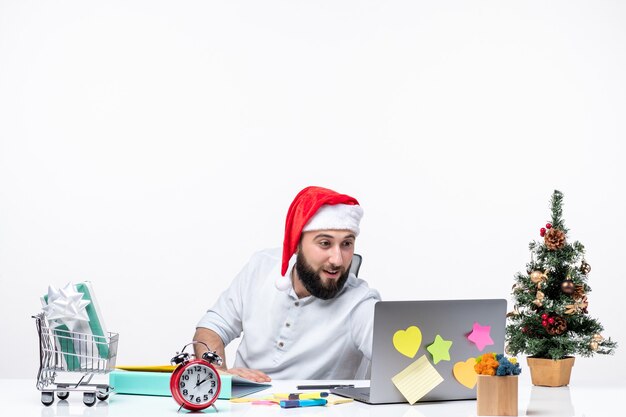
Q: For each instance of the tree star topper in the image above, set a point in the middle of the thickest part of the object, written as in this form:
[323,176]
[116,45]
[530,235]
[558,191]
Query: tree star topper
[440,349]
[480,336]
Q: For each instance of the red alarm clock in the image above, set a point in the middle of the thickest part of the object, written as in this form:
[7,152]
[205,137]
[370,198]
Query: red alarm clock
[195,383]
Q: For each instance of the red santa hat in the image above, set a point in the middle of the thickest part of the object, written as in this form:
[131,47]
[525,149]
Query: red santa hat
[317,208]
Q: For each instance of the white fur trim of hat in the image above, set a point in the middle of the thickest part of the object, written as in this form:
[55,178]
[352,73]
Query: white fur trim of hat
[336,217]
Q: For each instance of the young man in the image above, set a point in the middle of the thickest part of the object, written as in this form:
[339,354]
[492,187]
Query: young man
[305,316]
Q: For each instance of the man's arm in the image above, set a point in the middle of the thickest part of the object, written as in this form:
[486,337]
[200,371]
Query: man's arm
[212,340]
[215,343]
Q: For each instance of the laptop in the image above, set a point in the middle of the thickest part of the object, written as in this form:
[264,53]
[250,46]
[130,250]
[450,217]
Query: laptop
[453,320]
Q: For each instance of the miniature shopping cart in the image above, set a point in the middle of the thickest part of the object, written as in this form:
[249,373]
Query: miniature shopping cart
[74,356]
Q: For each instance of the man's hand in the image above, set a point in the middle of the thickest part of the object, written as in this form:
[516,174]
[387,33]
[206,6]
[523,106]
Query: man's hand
[251,374]
[215,342]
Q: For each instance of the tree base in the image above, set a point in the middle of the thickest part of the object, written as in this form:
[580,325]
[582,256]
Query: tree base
[549,372]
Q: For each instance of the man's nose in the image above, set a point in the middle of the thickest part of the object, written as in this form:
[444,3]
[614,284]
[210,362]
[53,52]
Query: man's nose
[336,257]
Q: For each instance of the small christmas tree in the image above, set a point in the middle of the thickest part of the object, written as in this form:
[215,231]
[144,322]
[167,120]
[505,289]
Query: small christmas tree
[550,318]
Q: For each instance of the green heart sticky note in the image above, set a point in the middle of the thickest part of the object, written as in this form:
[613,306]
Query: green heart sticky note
[408,341]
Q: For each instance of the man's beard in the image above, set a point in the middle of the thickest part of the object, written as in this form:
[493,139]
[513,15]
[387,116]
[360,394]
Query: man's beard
[313,282]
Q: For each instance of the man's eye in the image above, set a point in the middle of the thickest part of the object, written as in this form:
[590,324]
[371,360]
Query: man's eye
[348,244]
[324,244]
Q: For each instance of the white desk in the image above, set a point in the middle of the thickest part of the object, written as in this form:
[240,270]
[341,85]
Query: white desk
[19,397]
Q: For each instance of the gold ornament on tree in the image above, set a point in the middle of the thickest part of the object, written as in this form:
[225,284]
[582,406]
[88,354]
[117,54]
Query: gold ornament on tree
[595,342]
[554,239]
[539,277]
[539,300]
[585,268]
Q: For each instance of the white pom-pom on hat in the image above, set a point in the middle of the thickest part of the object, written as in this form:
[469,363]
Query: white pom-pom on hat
[283,283]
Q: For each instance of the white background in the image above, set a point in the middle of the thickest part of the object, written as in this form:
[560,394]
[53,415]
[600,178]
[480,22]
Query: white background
[151,147]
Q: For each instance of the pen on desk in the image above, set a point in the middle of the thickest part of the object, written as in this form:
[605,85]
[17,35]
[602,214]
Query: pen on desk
[330,386]
[308,395]
[302,395]
[302,403]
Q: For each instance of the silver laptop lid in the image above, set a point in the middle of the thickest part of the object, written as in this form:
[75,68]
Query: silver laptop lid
[453,320]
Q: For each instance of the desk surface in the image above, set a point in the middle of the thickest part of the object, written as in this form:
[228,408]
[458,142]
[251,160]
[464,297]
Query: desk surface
[19,397]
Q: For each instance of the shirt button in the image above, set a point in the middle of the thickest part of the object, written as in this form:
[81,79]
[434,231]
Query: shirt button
[288,324]
[280,344]
[297,303]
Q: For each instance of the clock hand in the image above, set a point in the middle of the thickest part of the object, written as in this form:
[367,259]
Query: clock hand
[202,382]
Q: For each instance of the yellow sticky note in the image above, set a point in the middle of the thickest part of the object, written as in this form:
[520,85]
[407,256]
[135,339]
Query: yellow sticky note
[408,341]
[333,399]
[417,380]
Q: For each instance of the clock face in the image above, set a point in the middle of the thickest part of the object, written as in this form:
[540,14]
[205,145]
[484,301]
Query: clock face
[198,385]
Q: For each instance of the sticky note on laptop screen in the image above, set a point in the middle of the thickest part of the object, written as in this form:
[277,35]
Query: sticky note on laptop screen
[417,380]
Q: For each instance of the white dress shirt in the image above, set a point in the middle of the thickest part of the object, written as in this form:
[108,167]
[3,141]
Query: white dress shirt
[291,338]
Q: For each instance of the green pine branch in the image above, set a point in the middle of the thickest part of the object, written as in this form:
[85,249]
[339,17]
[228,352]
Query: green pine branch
[556,204]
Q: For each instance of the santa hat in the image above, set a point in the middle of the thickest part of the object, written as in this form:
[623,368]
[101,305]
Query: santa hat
[317,208]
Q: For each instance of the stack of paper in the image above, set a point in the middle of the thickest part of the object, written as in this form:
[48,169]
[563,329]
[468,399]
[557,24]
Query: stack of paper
[155,380]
